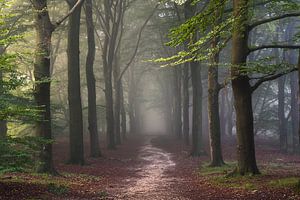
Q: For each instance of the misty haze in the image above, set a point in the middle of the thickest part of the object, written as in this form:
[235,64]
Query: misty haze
[150,99]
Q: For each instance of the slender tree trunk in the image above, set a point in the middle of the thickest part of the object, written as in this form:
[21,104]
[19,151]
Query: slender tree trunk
[177,102]
[242,92]
[131,101]
[295,111]
[117,96]
[281,115]
[74,94]
[185,104]
[44,29]
[213,111]
[197,148]
[123,114]
[229,114]
[91,82]
[223,117]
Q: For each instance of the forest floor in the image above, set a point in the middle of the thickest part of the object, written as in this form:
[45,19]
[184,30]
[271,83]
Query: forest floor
[158,168]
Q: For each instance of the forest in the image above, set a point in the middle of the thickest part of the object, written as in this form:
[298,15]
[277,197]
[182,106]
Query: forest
[150,99]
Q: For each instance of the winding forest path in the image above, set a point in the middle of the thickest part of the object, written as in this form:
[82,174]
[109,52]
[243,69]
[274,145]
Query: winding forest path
[151,180]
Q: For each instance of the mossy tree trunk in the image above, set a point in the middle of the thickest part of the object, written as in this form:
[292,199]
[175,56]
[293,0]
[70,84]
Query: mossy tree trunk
[44,29]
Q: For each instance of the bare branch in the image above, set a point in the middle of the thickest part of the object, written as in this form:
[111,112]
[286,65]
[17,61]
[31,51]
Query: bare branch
[59,22]
[270,78]
[137,44]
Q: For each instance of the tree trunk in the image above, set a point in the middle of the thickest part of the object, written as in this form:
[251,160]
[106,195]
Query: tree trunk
[197,148]
[123,114]
[186,104]
[281,115]
[177,102]
[242,92]
[213,111]
[117,96]
[223,120]
[229,114]
[44,29]
[74,94]
[131,101]
[91,83]
[299,96]
[295,111]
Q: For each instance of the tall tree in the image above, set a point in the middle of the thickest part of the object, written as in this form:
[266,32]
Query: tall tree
[195,68]
[74,93]
[91,82]
[44,29]
[213,102]
[242,91]
[186,104]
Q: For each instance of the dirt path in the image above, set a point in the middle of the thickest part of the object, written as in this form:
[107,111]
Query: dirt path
[152,180]
[152,168]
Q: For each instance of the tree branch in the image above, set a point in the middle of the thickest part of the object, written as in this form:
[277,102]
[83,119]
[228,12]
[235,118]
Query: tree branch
[59,22]
[273,46]
[270,78]
[261,22]
[137,44]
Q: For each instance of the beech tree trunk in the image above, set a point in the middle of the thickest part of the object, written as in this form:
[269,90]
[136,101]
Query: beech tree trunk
[177,102]
[123,115]
[74,93]
[91,82]
[131,101]
[295,111]
[44,29]
[281,115]
[197,148]
[186,104]
[223,120]
[117,97]
[213,111]
[242,92]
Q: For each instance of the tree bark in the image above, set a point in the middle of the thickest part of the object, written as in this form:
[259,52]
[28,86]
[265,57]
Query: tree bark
[299,95]
[91,82]
[213,111]
[117,97]
[74,93]
[295,111]
[177,102]
[242,92]
[44,29]
[123,114]
[281,115]
[197,148]
[186,104]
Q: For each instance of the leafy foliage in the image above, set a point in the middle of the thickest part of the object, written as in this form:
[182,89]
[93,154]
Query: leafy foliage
[19,154]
